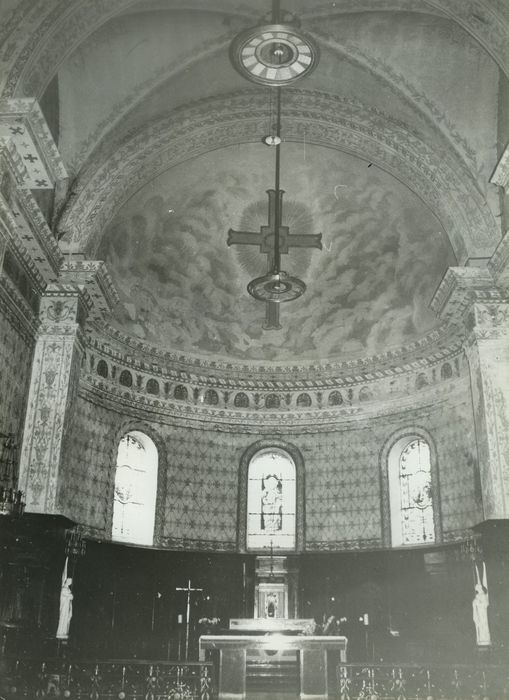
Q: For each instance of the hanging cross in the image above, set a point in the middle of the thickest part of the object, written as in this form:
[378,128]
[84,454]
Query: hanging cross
[188,590]
[265,240]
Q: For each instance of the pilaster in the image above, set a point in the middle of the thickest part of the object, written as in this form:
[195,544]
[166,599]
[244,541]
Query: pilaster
[469,298]
[58,355]
[54,381]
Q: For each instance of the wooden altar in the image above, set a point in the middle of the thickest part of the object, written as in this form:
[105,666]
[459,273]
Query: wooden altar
[312,651]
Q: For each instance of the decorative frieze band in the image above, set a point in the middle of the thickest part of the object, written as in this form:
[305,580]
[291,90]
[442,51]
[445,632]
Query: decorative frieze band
[277,410]
[23,223]
[22,123]
[460,288]
[138,356]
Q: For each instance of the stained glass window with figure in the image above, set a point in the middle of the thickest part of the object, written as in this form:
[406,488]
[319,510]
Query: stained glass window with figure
[135,490]
[271,501]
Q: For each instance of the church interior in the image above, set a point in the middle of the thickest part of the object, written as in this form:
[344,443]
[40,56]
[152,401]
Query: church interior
[254,358]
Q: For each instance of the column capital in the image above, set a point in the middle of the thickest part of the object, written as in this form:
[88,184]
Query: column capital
[93,278]
[63,309]
[468,297]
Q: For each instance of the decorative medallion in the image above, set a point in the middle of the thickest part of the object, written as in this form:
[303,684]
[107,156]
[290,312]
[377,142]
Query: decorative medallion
[274,54]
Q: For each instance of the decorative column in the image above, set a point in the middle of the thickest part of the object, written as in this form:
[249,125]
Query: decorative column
[468,297]
[55,374]
[477,300]
[84,290]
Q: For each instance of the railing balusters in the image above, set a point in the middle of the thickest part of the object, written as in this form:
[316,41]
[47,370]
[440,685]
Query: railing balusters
[360,681]
[163,680]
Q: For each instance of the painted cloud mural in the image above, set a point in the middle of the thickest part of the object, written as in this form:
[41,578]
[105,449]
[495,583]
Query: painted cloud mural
[183,289]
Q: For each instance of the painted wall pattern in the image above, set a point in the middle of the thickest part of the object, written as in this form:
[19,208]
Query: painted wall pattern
[54,379]
[15,361]
[88,466]
[199,506]
[489,360]
[235,399]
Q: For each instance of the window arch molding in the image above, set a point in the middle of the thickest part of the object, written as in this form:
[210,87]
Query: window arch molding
[245,461]
[408,433]
[148,430]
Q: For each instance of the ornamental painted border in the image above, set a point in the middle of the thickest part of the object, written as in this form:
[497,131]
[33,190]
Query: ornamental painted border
[439,179]
[58,28]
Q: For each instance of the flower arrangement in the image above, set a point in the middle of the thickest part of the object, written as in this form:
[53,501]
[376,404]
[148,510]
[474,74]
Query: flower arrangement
[209,621]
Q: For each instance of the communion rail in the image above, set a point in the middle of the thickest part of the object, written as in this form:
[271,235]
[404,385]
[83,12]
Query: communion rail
[116,680]
[421,682]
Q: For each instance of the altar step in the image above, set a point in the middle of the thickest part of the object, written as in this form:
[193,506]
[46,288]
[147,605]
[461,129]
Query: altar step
[266,676]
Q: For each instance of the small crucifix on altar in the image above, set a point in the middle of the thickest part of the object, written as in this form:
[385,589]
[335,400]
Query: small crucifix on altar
[188,590]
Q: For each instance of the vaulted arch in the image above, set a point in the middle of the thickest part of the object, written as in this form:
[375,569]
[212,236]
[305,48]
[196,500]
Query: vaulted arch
[341,124]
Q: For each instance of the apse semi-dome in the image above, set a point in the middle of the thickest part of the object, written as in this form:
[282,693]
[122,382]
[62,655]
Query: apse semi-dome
[182,289]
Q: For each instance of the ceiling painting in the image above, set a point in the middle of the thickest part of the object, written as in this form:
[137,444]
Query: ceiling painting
[182,288]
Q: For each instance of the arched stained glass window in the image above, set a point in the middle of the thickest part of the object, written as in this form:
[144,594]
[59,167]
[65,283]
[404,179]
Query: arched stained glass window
[135,490]
[411,494]
[271,501]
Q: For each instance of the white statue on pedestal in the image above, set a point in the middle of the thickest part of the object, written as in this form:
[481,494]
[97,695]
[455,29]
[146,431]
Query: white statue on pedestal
[480,609]
[66,596]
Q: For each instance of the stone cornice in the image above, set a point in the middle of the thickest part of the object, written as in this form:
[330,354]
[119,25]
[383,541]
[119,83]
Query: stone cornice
[136,355]
[22,122]
[93,276]
[32,237]
[460,288]
[11,161]
[24,222]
